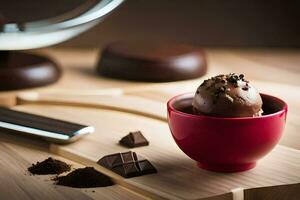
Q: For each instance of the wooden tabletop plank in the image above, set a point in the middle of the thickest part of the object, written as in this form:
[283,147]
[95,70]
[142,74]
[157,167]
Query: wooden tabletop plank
[176,170]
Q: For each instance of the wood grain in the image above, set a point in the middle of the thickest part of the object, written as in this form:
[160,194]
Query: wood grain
[176,170]
[18,153]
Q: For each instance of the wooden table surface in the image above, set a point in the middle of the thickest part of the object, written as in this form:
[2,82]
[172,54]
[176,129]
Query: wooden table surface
[271,71]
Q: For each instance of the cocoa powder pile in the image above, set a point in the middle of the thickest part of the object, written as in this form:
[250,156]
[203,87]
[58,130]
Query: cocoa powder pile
[84,178]
[49,166]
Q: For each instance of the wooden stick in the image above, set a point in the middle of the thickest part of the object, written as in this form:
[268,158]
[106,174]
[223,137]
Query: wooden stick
[7,100]
[118,91]
[129,104]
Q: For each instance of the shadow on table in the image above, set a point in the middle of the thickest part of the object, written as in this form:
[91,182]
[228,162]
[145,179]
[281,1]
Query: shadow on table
[23,139]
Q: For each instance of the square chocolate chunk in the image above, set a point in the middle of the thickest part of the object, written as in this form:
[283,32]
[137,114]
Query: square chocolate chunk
[134,139]
[127,164]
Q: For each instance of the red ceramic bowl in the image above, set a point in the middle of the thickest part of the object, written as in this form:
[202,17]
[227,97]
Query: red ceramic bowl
[226,144]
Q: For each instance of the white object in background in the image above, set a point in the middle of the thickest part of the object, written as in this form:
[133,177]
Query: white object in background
[53,31]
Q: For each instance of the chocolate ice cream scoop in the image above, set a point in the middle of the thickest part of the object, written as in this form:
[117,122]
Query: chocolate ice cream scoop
[227,96]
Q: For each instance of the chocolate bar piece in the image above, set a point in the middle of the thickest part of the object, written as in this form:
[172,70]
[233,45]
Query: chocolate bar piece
[127,164]
[134,139]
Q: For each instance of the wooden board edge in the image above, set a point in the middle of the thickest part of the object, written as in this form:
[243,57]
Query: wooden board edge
[226,196]
[278,192]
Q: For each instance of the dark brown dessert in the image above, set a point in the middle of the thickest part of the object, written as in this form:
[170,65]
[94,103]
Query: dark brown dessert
[86,177]
[49,166]
[134,139]
[127,164]
[227,96]
[20,70]
[151,61]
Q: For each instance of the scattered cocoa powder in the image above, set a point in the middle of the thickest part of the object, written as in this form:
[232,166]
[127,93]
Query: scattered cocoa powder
[49,166]
[86,177]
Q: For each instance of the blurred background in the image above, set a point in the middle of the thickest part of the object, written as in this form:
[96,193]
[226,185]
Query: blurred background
[231,23]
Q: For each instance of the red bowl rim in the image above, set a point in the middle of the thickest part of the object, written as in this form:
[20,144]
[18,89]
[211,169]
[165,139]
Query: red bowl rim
[173,99]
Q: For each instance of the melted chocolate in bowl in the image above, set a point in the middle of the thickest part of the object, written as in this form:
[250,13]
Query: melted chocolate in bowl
[270,104]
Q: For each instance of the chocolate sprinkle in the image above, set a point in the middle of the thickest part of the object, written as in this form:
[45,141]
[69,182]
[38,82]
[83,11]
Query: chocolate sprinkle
[204,83]
[221,83]
[49,166]
[86,177]
[233,78]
